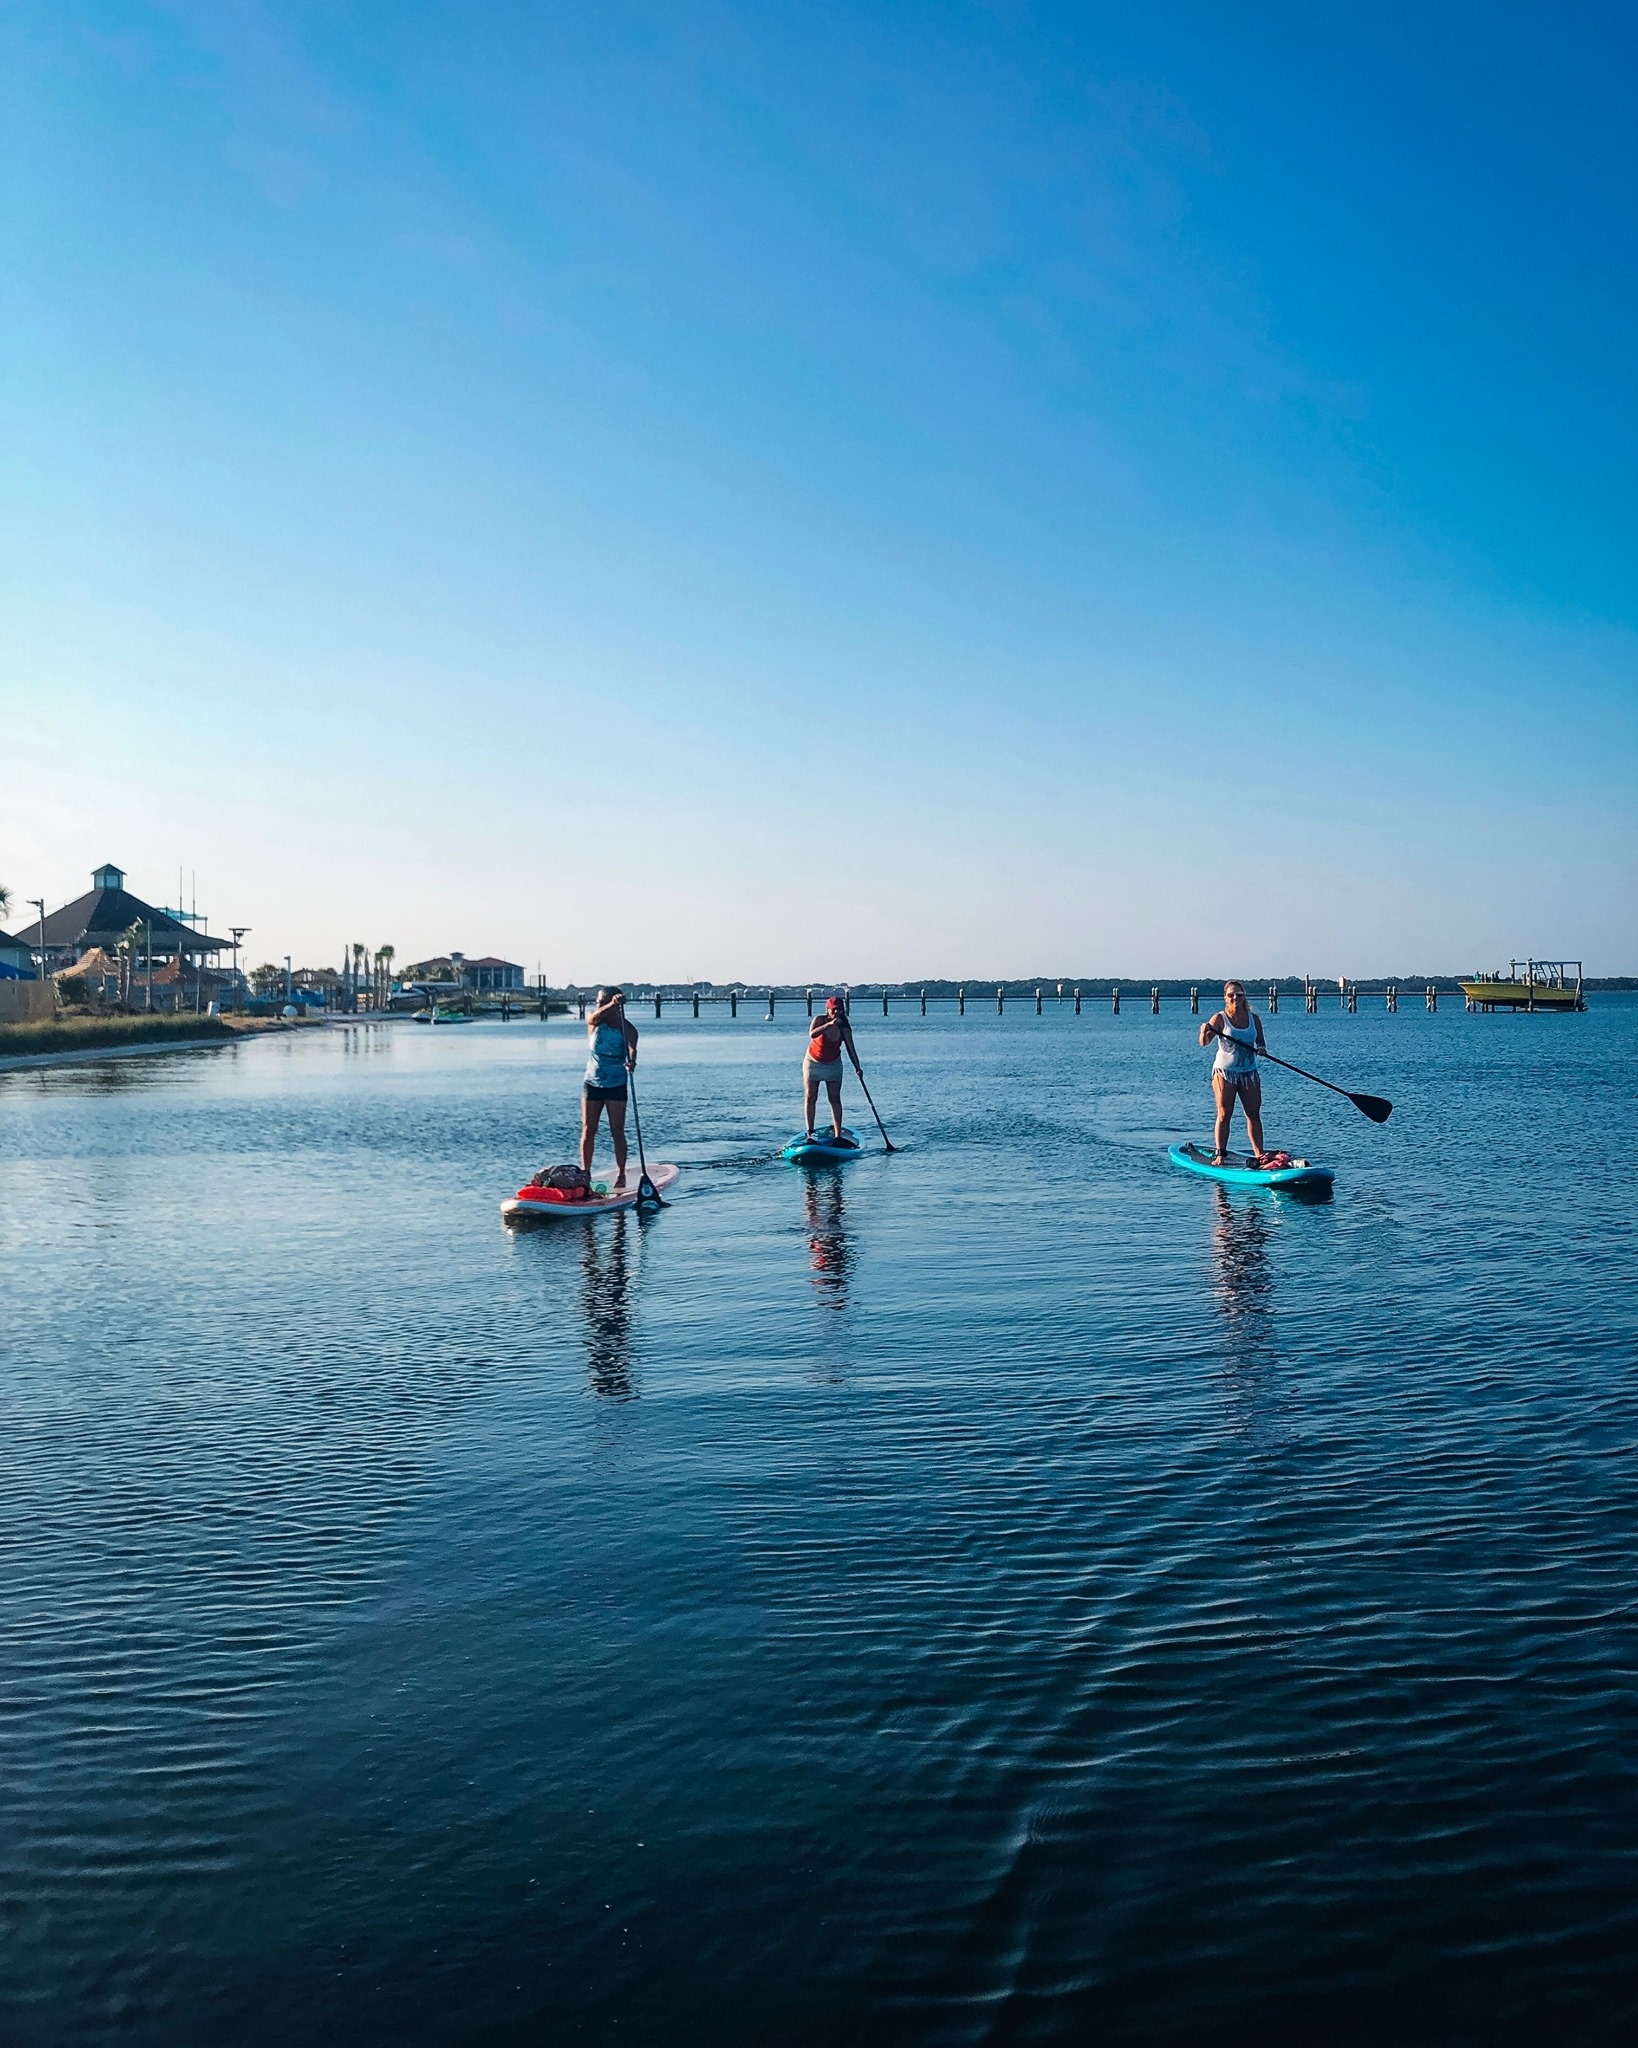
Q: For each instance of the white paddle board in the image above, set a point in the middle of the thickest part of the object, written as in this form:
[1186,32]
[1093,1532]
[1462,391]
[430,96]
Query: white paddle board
[521,1208]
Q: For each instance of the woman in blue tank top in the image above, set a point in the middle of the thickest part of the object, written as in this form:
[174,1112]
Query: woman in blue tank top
[613,1039]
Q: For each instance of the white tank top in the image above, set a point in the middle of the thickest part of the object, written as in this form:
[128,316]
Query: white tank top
[1236,1048]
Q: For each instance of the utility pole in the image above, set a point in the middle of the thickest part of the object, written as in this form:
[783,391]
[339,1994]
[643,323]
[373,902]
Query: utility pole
[39,903]
[287,977]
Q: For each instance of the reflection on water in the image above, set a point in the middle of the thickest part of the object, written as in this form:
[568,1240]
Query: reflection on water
[830,1249]
[1244,1284]
[606,1267]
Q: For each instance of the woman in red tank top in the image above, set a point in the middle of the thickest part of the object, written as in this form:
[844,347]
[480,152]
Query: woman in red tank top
[827,1036]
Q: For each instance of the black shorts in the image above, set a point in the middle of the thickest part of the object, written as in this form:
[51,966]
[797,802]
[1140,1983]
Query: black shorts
[593,1093]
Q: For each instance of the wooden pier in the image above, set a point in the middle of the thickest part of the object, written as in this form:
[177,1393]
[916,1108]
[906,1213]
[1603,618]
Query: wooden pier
[700,1000]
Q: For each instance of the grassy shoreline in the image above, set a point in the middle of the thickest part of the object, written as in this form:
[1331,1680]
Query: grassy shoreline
[87,1034]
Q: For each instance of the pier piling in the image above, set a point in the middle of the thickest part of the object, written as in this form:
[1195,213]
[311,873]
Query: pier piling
[1154,1002]
[1077,999]
[1000,1002]
[1194,1002]
[1114,999]
[961,1002]
[1037,1002]
[1433,999]
[924,1002]
[1273,998]
[770,1005]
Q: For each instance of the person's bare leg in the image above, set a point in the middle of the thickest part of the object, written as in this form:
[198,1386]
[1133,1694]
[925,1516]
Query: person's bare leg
[1225,1113]
[1251,1102]
[834,1090]
[810,1100]
[617,1136]
[589,1113]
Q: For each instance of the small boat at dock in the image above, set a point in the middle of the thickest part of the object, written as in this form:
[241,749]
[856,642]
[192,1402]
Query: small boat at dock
[1544,985]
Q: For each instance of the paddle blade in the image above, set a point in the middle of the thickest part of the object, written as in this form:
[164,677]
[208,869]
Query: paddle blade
[1374,1106]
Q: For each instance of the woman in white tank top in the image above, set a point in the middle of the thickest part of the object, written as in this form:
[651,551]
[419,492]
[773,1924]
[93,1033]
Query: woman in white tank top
[1238,1034]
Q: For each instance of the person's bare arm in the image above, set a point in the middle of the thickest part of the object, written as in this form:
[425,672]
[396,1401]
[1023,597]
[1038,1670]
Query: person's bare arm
[1212,1028]
[631,1044]
[607,1012]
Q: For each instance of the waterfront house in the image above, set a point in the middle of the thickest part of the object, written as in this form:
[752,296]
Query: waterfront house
[490,976]
[105,915]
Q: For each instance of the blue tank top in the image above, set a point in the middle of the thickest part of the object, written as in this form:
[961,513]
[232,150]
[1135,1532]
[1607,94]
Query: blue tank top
[607,1066]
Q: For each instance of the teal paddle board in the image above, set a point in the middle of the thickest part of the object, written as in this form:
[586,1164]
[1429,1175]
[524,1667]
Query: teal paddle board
[822,1149]
[1240,1171]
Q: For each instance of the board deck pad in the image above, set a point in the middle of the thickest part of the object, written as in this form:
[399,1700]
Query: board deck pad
[605,1196]
[822,1149]
[1239,1169]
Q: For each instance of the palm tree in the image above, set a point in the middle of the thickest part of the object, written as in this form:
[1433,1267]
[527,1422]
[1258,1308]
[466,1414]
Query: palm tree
[383,974]
[126,947]
[5,899]
[358,969]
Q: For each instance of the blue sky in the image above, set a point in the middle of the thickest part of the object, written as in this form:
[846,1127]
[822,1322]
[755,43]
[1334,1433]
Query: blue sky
[833,492]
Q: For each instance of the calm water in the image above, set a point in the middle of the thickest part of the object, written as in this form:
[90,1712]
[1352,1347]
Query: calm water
[1008,1591]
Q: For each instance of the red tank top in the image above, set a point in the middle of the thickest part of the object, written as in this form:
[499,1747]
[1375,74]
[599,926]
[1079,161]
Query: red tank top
[825,1041]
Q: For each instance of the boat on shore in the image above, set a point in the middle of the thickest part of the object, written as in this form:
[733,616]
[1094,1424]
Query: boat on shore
[1544,985]
[439,1016]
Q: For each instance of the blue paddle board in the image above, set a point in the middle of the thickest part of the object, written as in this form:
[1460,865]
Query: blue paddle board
[1240,1172]
[822,1149]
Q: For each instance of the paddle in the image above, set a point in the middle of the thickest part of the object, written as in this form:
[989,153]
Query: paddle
[646,1190]
[1376,1107]
[886,1140]
[865,1085]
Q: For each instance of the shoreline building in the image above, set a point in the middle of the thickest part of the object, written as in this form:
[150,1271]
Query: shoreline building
[453,973]
[173,966]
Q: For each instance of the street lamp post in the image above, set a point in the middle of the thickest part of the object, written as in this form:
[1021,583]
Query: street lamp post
[39,904]
[238,931]
[287,978]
